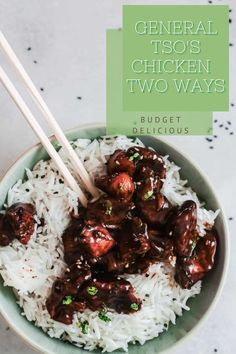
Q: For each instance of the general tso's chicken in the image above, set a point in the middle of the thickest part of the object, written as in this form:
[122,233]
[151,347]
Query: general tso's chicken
[155,209]
[191,269]
[113,292]
[147,188]
[162,247]
[182,227]
[6,231]
[133,240]
[113,263]
[71,241]
[124,232]
[21,218]
[134,159]
[18,222]
[119,185]
[120,162]
[62,302]
[96,239]
[109,211]
[149,158]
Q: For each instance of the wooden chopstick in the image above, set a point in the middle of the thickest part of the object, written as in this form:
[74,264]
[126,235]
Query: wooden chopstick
[42,136]
[78,166]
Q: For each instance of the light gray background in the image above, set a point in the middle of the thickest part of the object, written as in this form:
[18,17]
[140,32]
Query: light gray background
[67,39]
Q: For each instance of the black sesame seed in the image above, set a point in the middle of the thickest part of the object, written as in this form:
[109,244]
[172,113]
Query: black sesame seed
[208,139]
[229,122]
[230,20]
[211,147]
[35,62]
[231,218]
[215,350]
[41,89]
[210,2]
[215,136]
[42,221]
[79,98]
[29,48]
[43,176]
[61,181]
[27,190]
[226,128]
[221,125]
[37,176]
[7,328]
[231,133]
[215,121]
[55,192]
[232,104]
[231,44]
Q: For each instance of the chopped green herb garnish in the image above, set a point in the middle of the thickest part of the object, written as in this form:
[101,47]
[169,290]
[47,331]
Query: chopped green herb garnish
[67,300]
[102,314]
[148,195]
[92,290]
[134,157]
[134,306]
[104,317]
[84,326]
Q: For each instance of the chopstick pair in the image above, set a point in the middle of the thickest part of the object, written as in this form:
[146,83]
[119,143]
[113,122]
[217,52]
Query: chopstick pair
[74,159]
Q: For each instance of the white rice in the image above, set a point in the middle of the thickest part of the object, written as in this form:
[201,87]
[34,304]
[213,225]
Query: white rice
[32,269]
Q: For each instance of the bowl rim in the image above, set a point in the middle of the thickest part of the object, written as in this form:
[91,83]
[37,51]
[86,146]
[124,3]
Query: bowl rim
[218,293]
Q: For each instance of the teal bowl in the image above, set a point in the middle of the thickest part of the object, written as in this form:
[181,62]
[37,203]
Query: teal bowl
[201,305]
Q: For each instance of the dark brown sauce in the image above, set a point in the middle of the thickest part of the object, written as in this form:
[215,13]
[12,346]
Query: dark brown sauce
[123,232]
[18,222]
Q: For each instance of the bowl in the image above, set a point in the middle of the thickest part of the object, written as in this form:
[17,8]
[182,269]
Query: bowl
[201,305]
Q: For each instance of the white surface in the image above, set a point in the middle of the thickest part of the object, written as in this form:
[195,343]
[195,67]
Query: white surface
[67,39]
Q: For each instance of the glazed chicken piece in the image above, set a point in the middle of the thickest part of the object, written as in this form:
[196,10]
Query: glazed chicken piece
[113,263]
[62,302]
[119,185]
[162,247]
[191,269]
[133,240]
[132,245]
[109,211]
[120,162]
[155,209]
[113,292]
[18,222]
[147,188]
[182,228]
[148,158]
[21,218]
[96,239]
[6,231]
[71,241]
[144,171]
